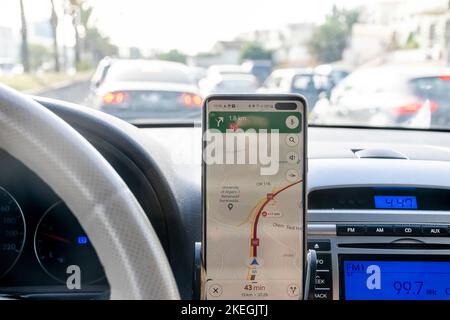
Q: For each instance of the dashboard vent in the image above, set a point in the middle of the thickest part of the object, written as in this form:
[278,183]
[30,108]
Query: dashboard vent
[375,153]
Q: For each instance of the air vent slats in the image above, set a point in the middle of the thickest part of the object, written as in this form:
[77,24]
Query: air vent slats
[375,153]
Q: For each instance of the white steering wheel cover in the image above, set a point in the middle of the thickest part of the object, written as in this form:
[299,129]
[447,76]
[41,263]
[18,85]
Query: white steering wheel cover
[127,245]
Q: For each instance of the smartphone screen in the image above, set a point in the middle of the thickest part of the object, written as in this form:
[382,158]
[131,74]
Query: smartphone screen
[254,197]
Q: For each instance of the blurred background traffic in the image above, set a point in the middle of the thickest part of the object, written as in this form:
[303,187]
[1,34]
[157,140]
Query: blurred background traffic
[358,63]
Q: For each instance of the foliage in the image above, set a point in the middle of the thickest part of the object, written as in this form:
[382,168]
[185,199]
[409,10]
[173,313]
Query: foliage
[91,44]
[98,45]
[329,40]
[39,54]
[85,65]
[173,55]
[255,51]
[411,42]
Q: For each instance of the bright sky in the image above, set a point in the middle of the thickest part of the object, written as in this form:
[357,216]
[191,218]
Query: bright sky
[188,25]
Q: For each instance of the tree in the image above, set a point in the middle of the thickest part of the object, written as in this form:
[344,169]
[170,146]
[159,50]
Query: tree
[329,40]
[24,35]
[39,54]
[54,26]
[411,42]
[98,45]
[254,51]
[76,6]
[92,41]
[173,55]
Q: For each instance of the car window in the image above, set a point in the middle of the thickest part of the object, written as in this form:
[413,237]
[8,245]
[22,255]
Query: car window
[437,88]
[98,53]
[147,72]
[303,82]
[100,73]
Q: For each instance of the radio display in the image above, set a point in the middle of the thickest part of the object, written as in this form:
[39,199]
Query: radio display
[395,280]
[395,202]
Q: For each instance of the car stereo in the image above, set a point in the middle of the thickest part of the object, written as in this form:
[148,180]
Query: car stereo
[388,246]
[392,277]
[397,198]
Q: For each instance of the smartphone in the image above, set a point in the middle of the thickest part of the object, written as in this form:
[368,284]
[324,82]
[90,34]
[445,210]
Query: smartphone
[254,196]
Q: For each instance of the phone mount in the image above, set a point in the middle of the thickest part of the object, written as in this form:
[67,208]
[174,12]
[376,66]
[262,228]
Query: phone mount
[197,272]
[310,274]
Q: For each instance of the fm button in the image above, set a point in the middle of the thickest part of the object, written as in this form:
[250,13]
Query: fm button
[345,230]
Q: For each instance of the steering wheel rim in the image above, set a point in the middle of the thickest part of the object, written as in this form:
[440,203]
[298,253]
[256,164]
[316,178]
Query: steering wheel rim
[128,248]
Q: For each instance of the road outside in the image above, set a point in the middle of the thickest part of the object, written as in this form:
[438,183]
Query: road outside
[75,92]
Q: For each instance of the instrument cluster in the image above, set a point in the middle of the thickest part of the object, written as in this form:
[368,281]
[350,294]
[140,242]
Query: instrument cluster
[41,242]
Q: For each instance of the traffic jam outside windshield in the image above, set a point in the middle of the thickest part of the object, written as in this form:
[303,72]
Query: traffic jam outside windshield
[358,63]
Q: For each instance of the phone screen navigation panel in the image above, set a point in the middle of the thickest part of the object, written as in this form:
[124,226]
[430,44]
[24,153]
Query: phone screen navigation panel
[254,205]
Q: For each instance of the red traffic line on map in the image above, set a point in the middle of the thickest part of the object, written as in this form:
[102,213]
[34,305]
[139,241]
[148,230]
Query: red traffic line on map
[269,197]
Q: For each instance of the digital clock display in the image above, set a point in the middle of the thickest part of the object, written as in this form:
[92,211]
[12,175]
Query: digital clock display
[395,202]
[396,280]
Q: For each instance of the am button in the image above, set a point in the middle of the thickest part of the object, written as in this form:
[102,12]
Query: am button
[380,230]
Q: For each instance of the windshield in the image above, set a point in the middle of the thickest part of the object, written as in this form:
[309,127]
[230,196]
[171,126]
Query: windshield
[372,63]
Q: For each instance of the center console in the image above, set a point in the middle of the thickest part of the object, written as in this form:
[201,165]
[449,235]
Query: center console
[378,243]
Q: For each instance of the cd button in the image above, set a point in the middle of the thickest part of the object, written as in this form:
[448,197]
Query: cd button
[381,230]
[407,230]
[435,231]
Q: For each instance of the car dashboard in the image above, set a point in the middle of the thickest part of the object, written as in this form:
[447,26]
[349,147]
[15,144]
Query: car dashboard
[374,195]
[347,169]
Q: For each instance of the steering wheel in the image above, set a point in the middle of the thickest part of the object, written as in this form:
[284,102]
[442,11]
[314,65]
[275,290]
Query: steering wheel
[128,248]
